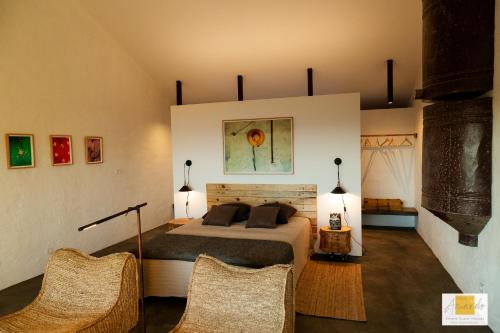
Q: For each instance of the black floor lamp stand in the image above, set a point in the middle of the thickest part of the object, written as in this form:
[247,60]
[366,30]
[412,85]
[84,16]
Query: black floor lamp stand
[137,209]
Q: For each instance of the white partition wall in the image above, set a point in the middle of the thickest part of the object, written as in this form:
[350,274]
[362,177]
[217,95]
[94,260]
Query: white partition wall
[325,127]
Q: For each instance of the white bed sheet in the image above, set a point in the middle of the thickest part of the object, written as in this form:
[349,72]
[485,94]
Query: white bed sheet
[171,277]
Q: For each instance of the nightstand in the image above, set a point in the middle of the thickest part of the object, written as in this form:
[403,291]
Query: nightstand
[175,223]
[335,241]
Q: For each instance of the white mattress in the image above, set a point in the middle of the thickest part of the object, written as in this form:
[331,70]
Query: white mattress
[171,277]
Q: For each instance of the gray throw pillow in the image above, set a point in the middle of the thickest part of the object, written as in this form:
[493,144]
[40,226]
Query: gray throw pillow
[241,214]
[285,213]
[220,215]
[263,217]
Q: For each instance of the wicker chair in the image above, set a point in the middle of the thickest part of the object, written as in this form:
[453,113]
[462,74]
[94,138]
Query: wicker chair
[81,293]
[224,298]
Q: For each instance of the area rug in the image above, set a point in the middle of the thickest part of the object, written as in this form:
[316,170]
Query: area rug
[331,289]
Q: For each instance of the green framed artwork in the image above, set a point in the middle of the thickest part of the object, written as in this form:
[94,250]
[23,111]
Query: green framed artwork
[258,146]
[20,151]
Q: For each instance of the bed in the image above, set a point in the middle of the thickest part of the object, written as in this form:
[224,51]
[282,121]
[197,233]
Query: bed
[170,277]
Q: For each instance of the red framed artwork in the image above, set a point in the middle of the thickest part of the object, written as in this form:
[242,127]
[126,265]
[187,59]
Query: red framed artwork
[61,150]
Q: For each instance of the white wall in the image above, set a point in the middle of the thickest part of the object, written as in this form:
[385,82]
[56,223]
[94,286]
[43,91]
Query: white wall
[473,269]
[383,121]
[325,127]
[379,181]
[60,73]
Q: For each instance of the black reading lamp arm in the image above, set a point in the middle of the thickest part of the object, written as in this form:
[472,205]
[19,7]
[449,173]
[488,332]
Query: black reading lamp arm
[187,164]
[123,212]
[186,187]
[338,184]
[342,195]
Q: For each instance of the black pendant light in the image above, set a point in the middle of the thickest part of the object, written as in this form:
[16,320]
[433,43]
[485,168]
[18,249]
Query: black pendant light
[338,189]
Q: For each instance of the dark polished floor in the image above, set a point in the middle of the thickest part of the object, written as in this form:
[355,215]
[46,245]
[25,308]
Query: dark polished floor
[402,280]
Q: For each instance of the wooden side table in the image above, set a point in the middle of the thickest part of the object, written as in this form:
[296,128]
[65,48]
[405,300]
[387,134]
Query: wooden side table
[175,223]
[335,241]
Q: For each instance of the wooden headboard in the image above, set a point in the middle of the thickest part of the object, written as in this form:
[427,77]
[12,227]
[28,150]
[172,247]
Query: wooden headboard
[301,196]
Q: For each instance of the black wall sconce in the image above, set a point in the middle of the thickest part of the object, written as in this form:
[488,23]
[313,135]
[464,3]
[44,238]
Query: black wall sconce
[338,189]
[186,187]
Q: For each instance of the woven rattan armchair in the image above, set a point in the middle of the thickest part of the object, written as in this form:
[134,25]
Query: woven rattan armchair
[224,298]
[81,293]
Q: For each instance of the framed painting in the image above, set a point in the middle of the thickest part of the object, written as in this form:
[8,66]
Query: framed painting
[61,150]
[258,146]
[20,151]
[93,149]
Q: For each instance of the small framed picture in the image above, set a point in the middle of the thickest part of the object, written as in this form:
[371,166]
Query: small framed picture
[20,151]
[61,150]
[93,149]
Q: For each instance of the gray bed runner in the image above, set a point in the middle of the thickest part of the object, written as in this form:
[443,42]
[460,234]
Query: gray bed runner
[255,253]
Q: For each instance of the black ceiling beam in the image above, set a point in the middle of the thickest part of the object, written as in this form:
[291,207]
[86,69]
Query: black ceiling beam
[310,91]
[390,82]
[178,88]
[240,87]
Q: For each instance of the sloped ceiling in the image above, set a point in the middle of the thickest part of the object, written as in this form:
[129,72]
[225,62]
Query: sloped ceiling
[271,43]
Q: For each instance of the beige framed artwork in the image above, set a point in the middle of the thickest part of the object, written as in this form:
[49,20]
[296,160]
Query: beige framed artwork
[61,150]
[258,146]
[20,150]
[93,149]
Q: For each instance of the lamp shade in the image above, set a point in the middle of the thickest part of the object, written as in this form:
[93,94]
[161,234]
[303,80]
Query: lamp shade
[338,190]
[185,188]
